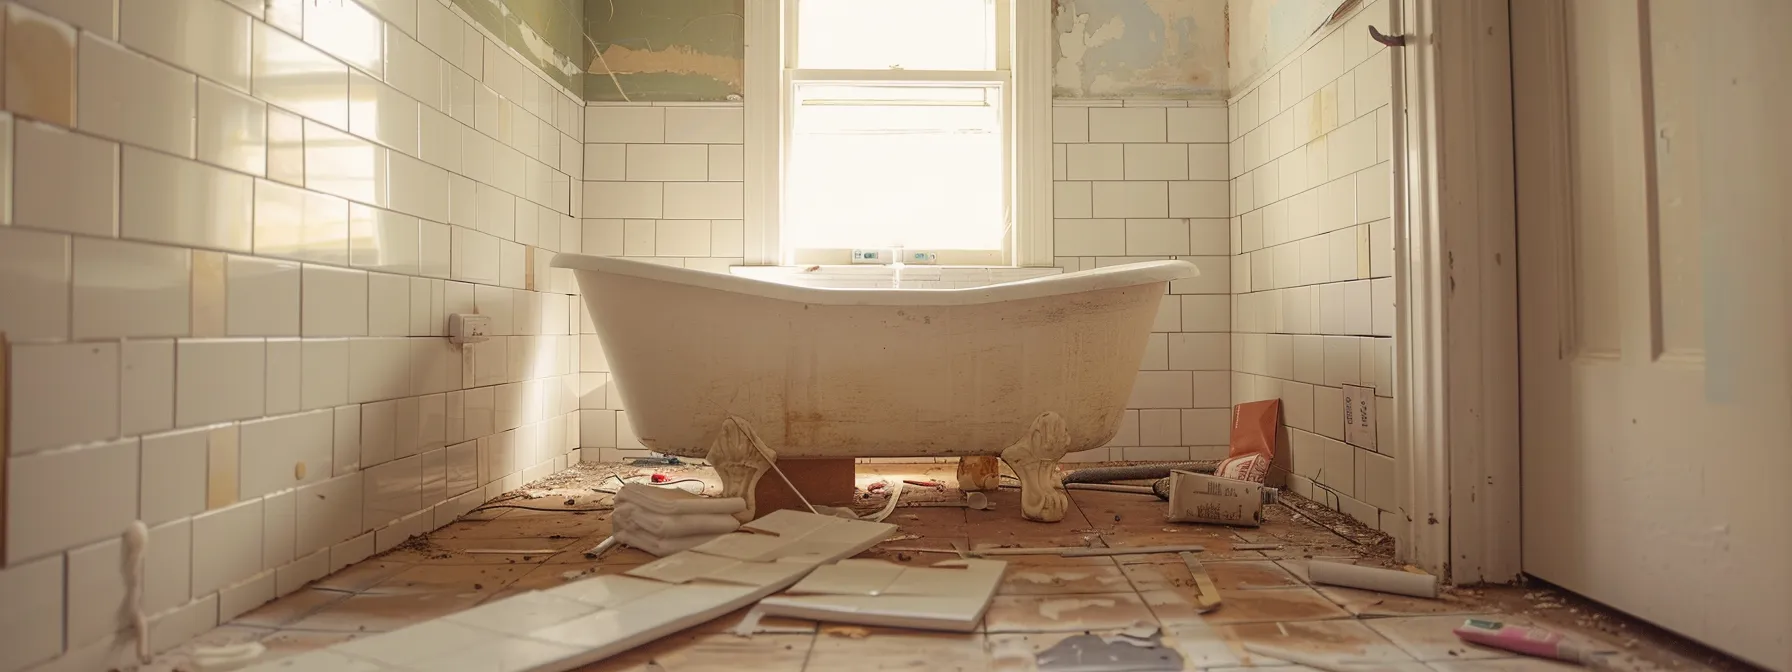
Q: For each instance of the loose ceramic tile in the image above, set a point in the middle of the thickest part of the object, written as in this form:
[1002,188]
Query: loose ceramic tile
[132,98]
[177,201]
[73,182]
[1055,613]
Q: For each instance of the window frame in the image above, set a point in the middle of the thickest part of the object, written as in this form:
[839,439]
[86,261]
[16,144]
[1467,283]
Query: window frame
[1023,73]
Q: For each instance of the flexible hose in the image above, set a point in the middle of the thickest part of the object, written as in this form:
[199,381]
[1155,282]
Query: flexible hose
[1138,472]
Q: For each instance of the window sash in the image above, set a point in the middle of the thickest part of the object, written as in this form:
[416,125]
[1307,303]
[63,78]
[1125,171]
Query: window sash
[1001,78]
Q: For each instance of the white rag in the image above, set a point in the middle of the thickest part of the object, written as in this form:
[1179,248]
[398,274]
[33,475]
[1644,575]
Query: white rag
[675,525]
[670,501]
[626,532]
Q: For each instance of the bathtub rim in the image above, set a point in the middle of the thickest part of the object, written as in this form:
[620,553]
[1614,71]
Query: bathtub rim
[1110,277]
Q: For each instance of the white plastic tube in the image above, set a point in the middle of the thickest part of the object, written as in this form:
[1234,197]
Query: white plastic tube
[1372,578]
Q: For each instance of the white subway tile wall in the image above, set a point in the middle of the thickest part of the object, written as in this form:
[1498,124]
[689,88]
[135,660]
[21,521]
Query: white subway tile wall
[660,183]
[1312,266]
[229,242]
[1149,182]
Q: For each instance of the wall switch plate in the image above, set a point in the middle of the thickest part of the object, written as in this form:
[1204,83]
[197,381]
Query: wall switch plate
[464,328]
[1359,416]
[920,257]
[870,256]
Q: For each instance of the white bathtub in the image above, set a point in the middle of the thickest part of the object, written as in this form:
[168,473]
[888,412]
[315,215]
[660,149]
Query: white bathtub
[742,371]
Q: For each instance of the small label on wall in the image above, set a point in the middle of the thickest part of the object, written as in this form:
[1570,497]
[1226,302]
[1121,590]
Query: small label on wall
[1359,416]
[870,256]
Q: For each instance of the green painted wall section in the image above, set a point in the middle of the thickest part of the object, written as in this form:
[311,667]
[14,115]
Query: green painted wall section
[548,33]
[664,50]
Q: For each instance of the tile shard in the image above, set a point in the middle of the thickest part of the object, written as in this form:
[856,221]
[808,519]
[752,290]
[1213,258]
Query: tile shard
[584,622]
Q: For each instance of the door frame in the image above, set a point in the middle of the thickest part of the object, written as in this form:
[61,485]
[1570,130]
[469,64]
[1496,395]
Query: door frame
[1457,290]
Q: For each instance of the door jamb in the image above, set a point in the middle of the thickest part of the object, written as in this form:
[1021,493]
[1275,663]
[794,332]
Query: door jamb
[1457,290]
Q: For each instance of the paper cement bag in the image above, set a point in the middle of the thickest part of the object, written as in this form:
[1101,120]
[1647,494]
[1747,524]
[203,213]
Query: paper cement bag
[1253,441]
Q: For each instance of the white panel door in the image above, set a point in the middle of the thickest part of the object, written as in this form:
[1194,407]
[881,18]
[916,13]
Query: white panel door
[1654,168]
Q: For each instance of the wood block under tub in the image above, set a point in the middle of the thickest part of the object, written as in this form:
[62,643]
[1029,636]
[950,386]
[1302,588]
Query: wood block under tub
[823,481]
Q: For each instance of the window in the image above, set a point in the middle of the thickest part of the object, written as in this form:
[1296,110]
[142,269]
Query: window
[899,129]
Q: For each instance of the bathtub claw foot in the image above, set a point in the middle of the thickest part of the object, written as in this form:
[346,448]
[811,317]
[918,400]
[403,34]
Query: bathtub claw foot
[1035,460]
[740,458]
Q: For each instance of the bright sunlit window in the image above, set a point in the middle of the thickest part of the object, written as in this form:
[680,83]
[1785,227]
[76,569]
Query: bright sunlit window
[899,129]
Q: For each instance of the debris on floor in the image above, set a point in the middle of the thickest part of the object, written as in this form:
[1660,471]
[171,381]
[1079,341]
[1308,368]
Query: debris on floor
[1122,652]
[1535,642]
[1103,574]
[1400,582]
[663,521]
[951,595]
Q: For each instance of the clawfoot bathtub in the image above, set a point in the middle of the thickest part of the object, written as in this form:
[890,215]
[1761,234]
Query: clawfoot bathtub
[743,372]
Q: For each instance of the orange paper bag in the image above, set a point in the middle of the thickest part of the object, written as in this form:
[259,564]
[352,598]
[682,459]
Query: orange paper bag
[1253,441]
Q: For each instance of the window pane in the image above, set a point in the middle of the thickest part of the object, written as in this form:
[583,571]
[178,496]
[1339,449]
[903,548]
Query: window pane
[918,167]
[910,34]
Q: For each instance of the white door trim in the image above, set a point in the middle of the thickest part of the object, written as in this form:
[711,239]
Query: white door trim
[1457,290]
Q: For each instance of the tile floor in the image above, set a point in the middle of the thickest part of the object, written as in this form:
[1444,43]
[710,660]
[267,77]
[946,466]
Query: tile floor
[1042,600]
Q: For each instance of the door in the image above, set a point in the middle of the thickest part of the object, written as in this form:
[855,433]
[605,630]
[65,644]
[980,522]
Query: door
[1654,174]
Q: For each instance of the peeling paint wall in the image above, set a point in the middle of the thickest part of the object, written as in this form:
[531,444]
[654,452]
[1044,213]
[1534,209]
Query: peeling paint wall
[665,50]
[1140,49]
[549,33]
[1263,32]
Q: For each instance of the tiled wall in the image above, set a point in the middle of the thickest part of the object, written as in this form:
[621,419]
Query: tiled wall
[1141,181]
[1312,275]
[664,184]
[230,234]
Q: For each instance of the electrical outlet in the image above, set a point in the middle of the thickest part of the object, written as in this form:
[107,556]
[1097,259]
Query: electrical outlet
[920,257]
[870,256]
[464,328]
